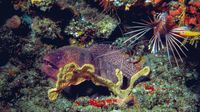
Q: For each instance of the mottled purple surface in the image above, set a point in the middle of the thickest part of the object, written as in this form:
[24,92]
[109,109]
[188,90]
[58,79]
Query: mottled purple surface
[104,57]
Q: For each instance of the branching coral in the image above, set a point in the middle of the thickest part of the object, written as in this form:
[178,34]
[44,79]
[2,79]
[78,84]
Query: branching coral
[72,74]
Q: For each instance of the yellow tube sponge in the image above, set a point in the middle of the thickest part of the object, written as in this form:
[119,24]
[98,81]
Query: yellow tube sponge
[115,88]
[72,74]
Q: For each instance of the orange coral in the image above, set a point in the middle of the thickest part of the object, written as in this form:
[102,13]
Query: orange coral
[174,12]
[192,10]
[193,21]
[186,21]
[197,4]
[189,20]
[170,20]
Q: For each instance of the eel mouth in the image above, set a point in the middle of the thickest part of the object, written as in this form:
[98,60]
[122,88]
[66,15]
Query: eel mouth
[50,64]
[49,69]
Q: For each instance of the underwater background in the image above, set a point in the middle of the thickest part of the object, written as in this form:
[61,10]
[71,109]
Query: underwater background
[99,56]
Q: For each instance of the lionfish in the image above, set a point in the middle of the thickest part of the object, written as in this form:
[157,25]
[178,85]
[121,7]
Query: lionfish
[164,36]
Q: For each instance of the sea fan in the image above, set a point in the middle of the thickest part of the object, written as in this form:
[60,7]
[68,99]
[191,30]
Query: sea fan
[162,32]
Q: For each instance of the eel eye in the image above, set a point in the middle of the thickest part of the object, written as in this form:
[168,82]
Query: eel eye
[50,64]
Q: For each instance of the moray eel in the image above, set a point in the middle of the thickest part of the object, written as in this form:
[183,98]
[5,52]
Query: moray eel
[105,58]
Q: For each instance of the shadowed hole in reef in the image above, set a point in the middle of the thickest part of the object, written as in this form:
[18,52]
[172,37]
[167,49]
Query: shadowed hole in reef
[193,62]
[4,57]
[86,88]
[56,42]
[6,10]
[61,16]
[94,4]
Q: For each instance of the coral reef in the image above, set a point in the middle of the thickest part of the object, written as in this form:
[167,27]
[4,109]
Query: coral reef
[102,24]
[45,27]
[159,91]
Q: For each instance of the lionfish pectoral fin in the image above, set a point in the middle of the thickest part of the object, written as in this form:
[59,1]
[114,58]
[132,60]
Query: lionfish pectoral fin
[138,31]
[175,45]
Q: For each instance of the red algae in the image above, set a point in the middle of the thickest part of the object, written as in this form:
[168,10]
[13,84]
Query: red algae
[99,102]
[151,89]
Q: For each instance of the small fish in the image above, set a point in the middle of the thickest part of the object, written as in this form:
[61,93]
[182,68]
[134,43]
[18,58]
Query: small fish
[191,36]
[188,33]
